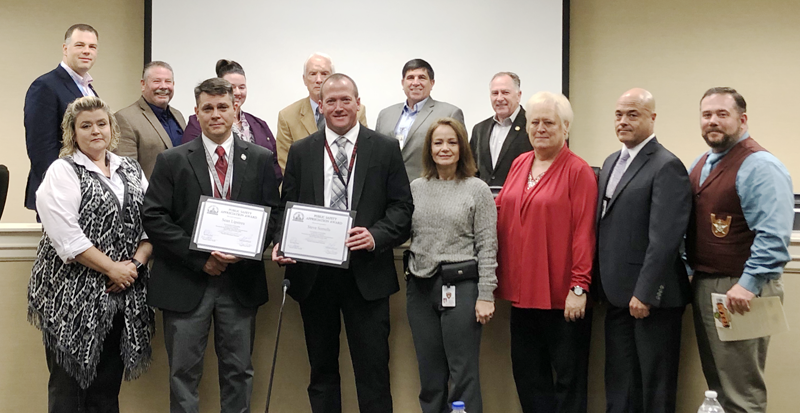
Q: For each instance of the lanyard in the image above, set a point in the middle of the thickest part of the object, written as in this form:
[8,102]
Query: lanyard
[336,167]
[223,193]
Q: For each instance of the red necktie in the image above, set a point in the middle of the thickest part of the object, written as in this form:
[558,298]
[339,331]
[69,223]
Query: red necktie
[222,169]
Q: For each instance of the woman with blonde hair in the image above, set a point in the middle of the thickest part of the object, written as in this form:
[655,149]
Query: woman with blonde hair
[88,287]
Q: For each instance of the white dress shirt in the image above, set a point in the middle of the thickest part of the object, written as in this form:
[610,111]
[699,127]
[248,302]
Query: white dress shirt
[82,82]
[331,136]
[499,134]
[635,150]
[211,147]
[58,201]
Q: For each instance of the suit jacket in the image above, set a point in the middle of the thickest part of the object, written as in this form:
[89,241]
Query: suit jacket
[142,136]
[180,177]
[412,149]
[297,121]
[258,127]
[516,143]
[639,238]
[45,103]
[381,197]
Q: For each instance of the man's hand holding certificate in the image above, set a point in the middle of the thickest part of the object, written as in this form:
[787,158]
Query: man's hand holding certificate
[319,235]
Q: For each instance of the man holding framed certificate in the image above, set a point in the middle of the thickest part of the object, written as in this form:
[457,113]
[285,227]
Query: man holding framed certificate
[222,187]
[345,167]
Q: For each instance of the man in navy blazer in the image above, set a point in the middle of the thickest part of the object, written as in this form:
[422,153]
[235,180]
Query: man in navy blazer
[378,191]
[47,100]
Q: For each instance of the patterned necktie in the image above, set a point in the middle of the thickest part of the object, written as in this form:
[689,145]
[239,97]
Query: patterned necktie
[338,189]
[222,169]
[616,173]
[711,161]
[320,119]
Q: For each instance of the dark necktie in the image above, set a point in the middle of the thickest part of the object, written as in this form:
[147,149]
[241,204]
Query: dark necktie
[222,169]
[320,120]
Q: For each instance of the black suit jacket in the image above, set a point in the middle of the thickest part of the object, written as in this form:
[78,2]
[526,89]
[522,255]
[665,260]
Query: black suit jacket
[381,197]
[180,177]
[45,103]
[516,143]
[639,238]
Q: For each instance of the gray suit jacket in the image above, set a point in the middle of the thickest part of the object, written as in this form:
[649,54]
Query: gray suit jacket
[141,135]
[639,237]
[412,150]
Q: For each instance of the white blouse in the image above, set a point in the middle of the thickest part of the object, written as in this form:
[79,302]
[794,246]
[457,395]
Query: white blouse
[58,202]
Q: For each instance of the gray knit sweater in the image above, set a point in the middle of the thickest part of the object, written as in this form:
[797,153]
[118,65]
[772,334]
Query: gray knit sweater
[454,221]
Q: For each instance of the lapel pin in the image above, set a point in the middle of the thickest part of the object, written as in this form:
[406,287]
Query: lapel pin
[244,157]
[516,128]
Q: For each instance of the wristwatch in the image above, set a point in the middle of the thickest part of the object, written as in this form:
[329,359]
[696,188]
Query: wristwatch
[577,290]
[138,264]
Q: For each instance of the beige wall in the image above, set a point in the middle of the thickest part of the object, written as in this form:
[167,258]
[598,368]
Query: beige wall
[33,33]
[677,50]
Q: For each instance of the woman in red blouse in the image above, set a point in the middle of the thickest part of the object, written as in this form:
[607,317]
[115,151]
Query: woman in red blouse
[546,239]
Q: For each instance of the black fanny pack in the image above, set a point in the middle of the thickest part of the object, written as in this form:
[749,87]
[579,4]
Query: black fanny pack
[451,272]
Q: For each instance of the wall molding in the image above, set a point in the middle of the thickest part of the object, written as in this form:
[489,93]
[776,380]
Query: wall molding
[18,242]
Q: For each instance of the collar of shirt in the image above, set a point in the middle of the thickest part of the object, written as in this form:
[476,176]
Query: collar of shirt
[114,162]
[636,149]
[509,120]
[417,107]
[351,136]
[82,81]
[159,112]
[211,147]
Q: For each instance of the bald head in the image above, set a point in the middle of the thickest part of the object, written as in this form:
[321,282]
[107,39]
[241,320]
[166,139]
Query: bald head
[635,116]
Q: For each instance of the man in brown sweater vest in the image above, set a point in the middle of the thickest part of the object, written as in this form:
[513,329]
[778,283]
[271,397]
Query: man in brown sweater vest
[737,243]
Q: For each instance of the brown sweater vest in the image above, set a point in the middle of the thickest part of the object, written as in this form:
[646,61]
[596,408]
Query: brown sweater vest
[718,240]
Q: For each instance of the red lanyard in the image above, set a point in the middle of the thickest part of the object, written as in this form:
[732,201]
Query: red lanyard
[336,169]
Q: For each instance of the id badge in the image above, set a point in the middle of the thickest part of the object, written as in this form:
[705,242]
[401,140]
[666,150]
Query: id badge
[448,296]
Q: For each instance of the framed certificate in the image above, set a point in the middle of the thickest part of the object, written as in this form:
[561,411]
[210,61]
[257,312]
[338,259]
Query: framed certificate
[235,228]
[316,234]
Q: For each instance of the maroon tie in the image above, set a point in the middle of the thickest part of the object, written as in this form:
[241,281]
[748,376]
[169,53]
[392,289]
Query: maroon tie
[222,169]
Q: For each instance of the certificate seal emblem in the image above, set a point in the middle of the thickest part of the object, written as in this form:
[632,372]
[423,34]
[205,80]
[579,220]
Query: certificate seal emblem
[213,210]
[720,227]
[298,217]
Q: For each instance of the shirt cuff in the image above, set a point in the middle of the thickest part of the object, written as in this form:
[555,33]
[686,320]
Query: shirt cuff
[752,283]
[73,250]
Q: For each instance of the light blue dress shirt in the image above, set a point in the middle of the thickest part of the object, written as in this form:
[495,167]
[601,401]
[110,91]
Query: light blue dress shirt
[407,119]
[766,195]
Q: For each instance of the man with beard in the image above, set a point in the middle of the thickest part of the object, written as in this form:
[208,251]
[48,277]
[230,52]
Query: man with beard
[737,243]
[150,126]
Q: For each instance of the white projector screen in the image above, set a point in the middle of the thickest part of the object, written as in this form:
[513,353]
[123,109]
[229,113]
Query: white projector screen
[465,41]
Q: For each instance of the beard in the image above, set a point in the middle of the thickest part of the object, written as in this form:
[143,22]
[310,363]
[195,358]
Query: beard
[727,140]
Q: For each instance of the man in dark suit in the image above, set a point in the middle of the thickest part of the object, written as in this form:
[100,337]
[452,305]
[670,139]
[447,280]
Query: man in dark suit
[379,191]
[193,287]
[643,211]
[150,126]
[47,100]
[408,121]
[497,141]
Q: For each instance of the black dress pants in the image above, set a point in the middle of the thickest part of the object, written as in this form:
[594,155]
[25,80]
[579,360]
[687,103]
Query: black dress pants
[102,396]
[336,295]
[542,341]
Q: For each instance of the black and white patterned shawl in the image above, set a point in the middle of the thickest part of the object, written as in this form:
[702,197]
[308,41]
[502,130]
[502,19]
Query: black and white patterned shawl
[69,303]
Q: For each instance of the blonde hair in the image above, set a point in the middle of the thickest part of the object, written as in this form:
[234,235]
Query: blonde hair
[559,102]
[80,105]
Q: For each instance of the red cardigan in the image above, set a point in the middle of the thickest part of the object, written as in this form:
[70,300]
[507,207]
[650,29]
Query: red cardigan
[546,235]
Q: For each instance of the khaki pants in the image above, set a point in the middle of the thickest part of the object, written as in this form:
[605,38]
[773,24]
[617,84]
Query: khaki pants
[734,369]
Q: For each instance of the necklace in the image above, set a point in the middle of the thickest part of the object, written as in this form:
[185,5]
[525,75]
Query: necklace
[532,181]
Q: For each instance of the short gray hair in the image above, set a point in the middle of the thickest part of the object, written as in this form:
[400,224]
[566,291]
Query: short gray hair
[156,63]
[559,101]
[322,55]
[514,77]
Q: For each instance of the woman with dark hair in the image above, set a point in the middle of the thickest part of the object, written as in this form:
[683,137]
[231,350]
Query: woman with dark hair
[245,126]
[88,286]
[450,269]
[545,233]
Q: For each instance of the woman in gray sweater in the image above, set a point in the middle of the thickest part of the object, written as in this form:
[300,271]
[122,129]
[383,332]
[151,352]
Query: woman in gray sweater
[454,224]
